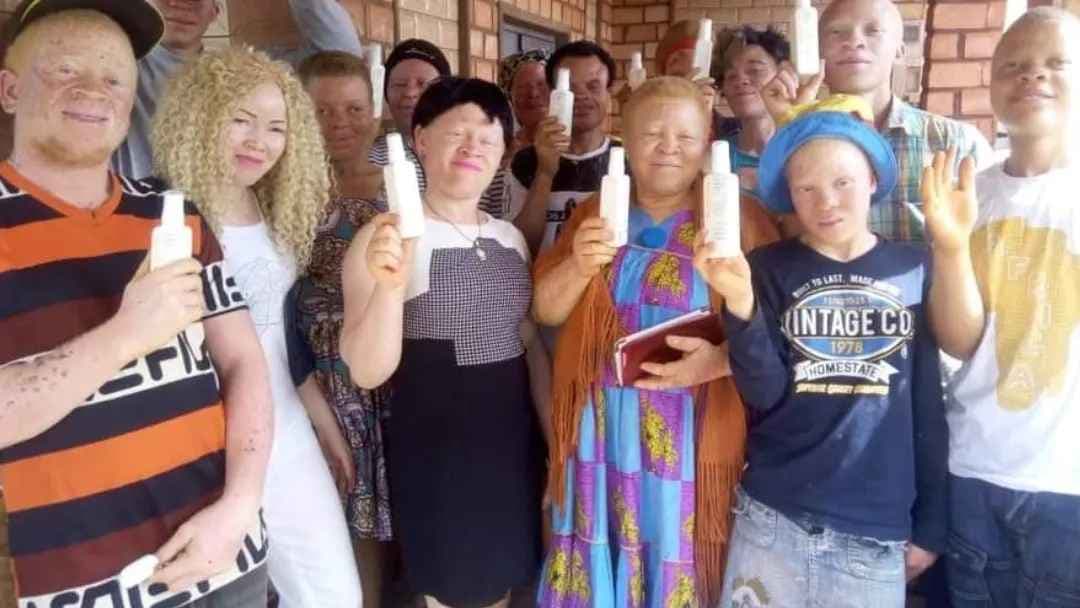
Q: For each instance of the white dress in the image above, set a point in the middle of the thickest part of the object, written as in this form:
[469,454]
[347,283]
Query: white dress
[311,559]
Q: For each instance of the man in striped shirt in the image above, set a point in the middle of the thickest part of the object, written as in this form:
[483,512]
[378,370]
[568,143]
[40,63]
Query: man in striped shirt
[121,434]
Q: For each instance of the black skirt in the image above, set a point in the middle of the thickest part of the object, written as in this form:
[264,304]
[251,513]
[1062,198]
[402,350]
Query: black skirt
[465,460]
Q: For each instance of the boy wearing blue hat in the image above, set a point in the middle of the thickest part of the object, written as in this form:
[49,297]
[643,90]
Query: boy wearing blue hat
[844,492]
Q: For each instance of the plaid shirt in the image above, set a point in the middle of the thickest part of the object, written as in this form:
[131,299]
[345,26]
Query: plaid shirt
[915,136]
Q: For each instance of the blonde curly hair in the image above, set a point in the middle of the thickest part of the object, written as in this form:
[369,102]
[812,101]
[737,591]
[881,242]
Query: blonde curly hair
[188,140]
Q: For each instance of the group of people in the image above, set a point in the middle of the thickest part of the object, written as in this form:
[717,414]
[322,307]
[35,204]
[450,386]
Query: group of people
[309,388]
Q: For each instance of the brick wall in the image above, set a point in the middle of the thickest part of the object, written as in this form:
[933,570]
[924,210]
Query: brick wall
[957,75]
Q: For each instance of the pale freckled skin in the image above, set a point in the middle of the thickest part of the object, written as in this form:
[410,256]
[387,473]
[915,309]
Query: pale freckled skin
[75,91]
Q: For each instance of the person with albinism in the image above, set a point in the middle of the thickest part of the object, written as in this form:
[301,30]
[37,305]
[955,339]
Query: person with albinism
[323,25]
[832,353]
[1006,301]
[125,430]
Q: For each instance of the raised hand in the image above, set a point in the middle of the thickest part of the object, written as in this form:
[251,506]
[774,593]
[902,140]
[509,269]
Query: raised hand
[157,305]
[784,90]
[592,250]
[389,257]
[551,141]
[951,209]
[708,88]
[729,277]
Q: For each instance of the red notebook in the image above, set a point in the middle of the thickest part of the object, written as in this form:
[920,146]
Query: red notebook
[651,344]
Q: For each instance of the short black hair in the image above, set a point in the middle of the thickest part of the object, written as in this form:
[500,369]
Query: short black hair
[580,48]
[445,94]
[771,40]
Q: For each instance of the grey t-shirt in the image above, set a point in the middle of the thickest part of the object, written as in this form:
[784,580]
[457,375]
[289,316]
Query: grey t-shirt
[324,25]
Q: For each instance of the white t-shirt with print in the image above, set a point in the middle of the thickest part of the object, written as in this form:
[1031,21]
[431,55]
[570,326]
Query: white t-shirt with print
[1014,418]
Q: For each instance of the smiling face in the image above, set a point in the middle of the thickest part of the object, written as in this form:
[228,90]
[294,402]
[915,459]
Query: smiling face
[831,183]
[860,42]
[186,22]
[529,94]
[343,107]
[1035,67]
[666,143]
[460,151]
[405,84]
[747,72]
[256,134]
[71,86]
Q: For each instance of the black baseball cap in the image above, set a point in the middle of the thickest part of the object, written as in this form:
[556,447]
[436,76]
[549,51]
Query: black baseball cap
[139,19]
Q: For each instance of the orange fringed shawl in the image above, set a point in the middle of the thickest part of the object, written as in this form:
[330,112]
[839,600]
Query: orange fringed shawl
[585,345]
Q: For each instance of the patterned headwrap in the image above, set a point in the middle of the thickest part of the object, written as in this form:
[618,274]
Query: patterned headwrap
[509,66]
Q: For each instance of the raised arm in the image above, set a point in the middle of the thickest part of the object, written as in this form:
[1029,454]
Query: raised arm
[38,392]
[551,142]
[374,278]
[957,315]
[325,26]
[584,251]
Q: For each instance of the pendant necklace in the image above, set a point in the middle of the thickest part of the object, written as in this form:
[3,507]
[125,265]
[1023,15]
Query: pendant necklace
[480,253]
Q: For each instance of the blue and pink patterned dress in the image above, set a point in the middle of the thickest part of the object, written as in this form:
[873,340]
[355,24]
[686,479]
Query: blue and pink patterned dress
[624,535]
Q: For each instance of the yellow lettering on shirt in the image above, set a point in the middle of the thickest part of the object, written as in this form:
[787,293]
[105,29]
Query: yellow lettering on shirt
[1031,282]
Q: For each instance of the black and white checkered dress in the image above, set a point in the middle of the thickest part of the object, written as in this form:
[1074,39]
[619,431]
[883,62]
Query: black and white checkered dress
[464,449]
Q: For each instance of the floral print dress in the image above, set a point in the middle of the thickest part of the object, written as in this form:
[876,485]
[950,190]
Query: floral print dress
[361,413]
[624,535]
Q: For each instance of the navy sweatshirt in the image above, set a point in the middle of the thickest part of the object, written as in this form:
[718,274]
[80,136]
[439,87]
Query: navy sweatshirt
[841,377]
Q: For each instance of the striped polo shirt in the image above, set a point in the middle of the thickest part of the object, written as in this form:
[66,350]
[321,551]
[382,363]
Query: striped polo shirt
[114,479]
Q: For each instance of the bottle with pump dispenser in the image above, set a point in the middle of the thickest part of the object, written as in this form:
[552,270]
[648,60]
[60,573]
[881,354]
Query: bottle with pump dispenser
[172,241]
[721,205]
[636,75]
[615,196]
[378,78]
[402,189]
[703,48]
[562,100]
[804,39]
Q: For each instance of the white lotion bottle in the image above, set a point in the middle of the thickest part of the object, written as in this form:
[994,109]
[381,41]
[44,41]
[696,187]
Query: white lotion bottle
[562,100]
[402,189]
[378,78]
[721,208]
[615,196]
[636,75]
[172,241]
[804,39]
[703,48]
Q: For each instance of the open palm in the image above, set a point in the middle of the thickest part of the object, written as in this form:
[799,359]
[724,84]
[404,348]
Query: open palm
[950,208]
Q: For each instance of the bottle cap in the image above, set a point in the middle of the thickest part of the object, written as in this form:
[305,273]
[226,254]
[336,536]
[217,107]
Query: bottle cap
[172,211]
[374,54]
[395,147]
[635,61]
[563,79]
[721,161]
[616,164]
[705,28]
[138,571]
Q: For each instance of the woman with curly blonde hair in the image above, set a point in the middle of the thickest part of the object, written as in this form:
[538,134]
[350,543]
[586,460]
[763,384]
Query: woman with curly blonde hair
[237,133]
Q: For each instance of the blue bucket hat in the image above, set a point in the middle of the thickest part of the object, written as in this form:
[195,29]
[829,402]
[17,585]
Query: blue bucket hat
[772,187]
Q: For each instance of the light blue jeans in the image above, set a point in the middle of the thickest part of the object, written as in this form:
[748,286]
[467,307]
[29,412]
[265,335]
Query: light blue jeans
[775,562]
